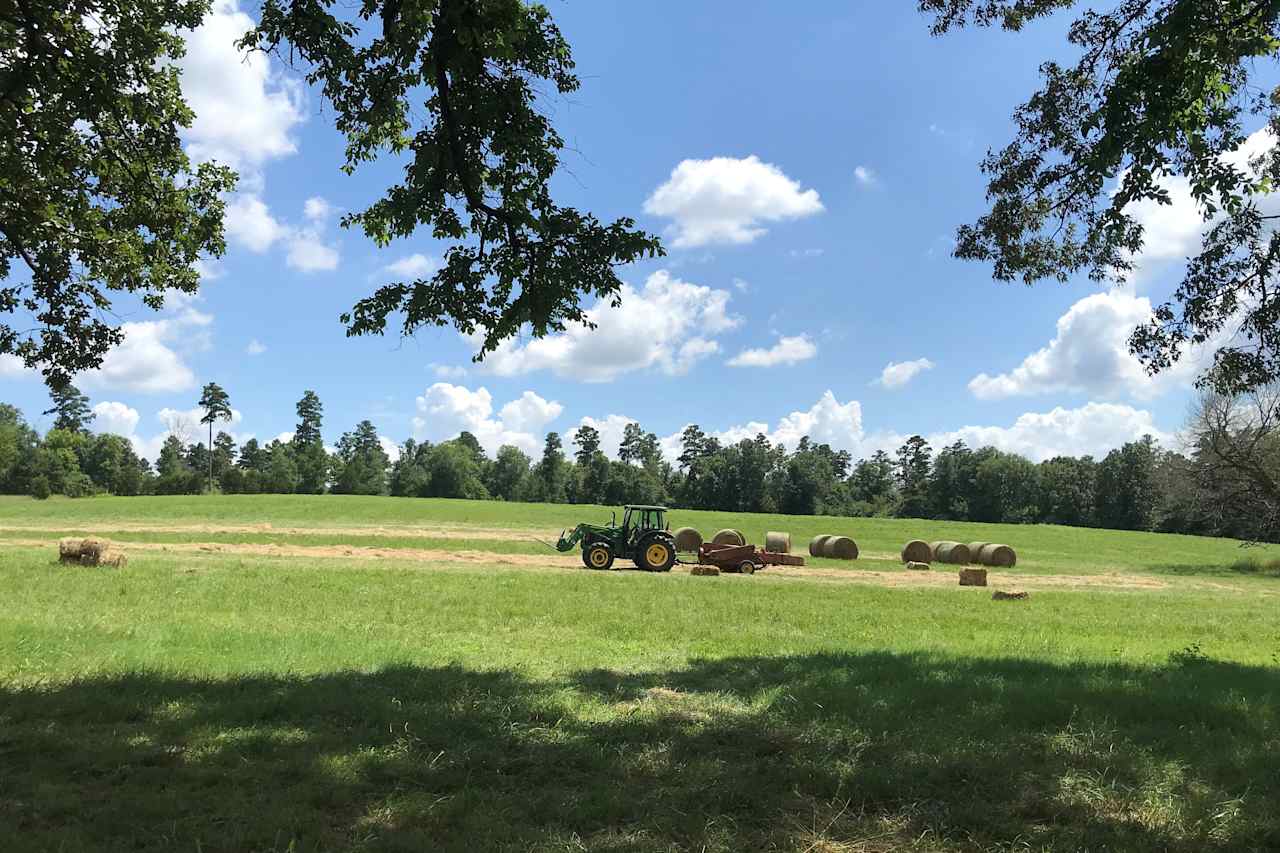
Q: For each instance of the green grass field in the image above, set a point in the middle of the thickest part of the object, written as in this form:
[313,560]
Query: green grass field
[234,700]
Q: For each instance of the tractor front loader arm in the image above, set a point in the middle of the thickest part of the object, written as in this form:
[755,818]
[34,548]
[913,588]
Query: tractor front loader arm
[570,538]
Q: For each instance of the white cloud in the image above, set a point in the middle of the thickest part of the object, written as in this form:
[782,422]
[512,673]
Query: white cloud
[448,371]
[665,325]
[741,285]
[317,209]
[148,361]
[245,110]
[726,200]
[416,265]
[529,412]
[249,221]
[255,347]
[445,410]
[390,448]
[865,176]
[806,253]
[1093,429]
[114,417]
[1090,355]
[11,367]
[899,373]
[309,253]
[610,428]
[792,350]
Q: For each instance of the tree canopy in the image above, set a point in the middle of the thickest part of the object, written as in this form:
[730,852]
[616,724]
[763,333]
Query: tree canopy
[452,86]
[97,197]
[1162,89]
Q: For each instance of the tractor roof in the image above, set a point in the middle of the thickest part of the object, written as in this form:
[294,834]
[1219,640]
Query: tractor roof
[644,506]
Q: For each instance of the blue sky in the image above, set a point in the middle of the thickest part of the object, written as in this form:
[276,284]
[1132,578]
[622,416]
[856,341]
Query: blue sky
[807,165]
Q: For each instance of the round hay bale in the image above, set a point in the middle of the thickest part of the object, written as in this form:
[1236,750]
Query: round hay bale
[688,540]
[840,548]
[728,536]
[933,549]
[954,552]
[777,543]
[974,549]
[917,551]
[816,543]
[1001,556]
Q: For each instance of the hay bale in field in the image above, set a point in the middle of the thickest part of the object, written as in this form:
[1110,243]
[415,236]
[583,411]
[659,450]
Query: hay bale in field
[816,543]
[933,550]
[91,551]
[955,553]
[69,549]
[1018,595]
[688,540]
[777,543]
[973,577]
[789,560]
[840,548]
[728,536]
[113,559]
[917,551]
[704,571]
[1001,556]
[916,566]
[974,549]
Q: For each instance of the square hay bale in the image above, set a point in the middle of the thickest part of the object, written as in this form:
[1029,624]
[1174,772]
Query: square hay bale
[704,571]
[917,566]
[1015,595]
[113,559]
[973,577]
[69,550]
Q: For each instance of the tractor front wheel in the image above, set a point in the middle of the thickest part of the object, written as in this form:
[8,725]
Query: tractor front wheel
[656,554]
[597,555]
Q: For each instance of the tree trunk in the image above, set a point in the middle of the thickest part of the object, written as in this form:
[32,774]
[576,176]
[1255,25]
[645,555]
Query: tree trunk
[210,457]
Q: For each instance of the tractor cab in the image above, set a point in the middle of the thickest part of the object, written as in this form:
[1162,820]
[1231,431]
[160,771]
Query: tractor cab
[638,520]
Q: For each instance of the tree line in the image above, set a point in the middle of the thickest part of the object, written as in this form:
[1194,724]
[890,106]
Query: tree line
[1226,485]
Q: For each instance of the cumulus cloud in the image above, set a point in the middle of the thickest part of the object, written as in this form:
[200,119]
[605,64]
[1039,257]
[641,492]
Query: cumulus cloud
[667,325]
[245,111]
[150,359]
[1090,354]
[445,410]
[115,417]
[1093,429]
[792,350]
[249,222]
[448,371]
[865,176]
[416,265]
[899,373]
[255,347]
[726,200]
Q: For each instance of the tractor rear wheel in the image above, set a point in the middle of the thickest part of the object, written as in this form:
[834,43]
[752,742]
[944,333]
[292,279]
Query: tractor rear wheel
[597,555]
[656,553]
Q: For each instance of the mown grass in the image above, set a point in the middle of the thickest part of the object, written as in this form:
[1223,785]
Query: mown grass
[1042,549]
[201,702]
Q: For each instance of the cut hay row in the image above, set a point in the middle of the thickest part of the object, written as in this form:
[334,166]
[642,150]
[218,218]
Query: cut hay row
[777,543]
[688,540]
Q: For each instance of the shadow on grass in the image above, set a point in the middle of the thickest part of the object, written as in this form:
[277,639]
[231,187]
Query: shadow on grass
[748,753]
[1246,567]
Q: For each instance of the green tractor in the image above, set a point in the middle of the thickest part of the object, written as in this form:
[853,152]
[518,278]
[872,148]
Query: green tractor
[643,538]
